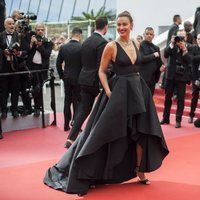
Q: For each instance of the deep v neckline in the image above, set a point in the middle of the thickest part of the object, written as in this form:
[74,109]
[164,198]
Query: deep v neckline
[128,55]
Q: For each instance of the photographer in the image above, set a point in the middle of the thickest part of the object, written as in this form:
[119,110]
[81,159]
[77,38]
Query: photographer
[195,78]
[24,32]
[38,58]
[178,74]
[14,50]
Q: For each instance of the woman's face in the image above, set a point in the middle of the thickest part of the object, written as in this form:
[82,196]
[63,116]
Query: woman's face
[124,26]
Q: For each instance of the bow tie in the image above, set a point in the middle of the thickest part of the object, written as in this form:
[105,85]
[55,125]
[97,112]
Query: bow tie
[9,34]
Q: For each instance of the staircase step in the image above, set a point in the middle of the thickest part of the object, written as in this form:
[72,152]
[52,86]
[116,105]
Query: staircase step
[186,111]
[159,97]
[159,91]
[21,123]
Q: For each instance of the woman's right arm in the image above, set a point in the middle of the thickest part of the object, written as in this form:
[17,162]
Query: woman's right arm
[105,60]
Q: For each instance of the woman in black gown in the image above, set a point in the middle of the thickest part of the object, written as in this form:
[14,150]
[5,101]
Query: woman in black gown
[122,138]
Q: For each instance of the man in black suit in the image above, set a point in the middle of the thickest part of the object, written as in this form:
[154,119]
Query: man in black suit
[172,32]
[178,74]
[174,28]
[195,78]
[2,14]
[38,58]
[196,23]
[151,63]
[91,52]
[13,51]
[188,28]
[70,54]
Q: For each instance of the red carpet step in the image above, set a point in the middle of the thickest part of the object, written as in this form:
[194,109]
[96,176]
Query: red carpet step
[159,97]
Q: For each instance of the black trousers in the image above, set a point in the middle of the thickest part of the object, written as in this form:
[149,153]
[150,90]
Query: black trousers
[88,95]
[194,101]
[72,97]
[151,84]
[169,91]
[9,84]
[37,84]
[24,86]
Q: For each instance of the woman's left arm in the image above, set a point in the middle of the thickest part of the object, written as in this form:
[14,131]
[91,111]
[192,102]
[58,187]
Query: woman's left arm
[105,60]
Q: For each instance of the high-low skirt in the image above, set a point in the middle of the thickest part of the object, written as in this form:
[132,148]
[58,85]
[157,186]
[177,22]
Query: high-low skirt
[105,152]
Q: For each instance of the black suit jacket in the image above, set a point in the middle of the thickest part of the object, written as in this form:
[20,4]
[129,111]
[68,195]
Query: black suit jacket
[195,62]
[150,65]
[172,31]
[196,23]
[91,52]
[70,53]
[2,14]
[175,56]
[24,47]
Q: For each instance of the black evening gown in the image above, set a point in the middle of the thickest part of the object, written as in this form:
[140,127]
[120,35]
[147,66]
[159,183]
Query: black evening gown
[105,152]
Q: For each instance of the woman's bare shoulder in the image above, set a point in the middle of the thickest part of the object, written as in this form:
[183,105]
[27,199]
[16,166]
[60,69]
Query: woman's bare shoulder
[111,44]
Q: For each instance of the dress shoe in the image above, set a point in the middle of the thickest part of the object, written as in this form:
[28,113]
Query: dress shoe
[3,115]
[68,143]
[178,125]
[163,121]
[26,112]
[190,120]
[1,136]
[66,128]
[15,114]
[36,113]
[72,123]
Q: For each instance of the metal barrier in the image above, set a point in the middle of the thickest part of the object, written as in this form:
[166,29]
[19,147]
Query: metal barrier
[52,86]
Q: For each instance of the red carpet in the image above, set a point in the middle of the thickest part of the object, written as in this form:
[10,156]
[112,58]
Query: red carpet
[25,156]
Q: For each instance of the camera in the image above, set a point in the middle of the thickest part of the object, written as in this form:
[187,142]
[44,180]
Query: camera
[178,39]
[40,38]
[23,22]
[180,69]
[14,47]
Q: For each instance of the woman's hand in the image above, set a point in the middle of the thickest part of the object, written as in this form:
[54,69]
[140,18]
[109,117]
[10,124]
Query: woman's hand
[108,93]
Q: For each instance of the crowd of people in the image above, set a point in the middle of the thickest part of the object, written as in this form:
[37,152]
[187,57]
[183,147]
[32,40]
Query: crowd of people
[115,145]
[24,65]
[150,68]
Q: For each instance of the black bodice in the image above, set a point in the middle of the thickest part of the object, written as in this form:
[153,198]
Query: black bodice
[123,64]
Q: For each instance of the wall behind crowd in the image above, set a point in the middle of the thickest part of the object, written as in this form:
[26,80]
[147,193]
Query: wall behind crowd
[156,13]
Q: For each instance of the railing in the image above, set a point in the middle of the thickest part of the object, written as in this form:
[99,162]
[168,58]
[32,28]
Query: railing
[52,86]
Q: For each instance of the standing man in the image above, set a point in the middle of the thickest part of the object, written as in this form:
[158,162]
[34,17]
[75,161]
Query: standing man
[13,48]
[174,28]
[2,14]
[172,32]
[196,23]
[91,52]
[177,76]
[38,58]
[188,28]
[195,78]
[151,63]
[70,54]
[2,18]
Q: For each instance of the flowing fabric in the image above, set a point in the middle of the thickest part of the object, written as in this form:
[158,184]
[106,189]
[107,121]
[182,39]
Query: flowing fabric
[105,152]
